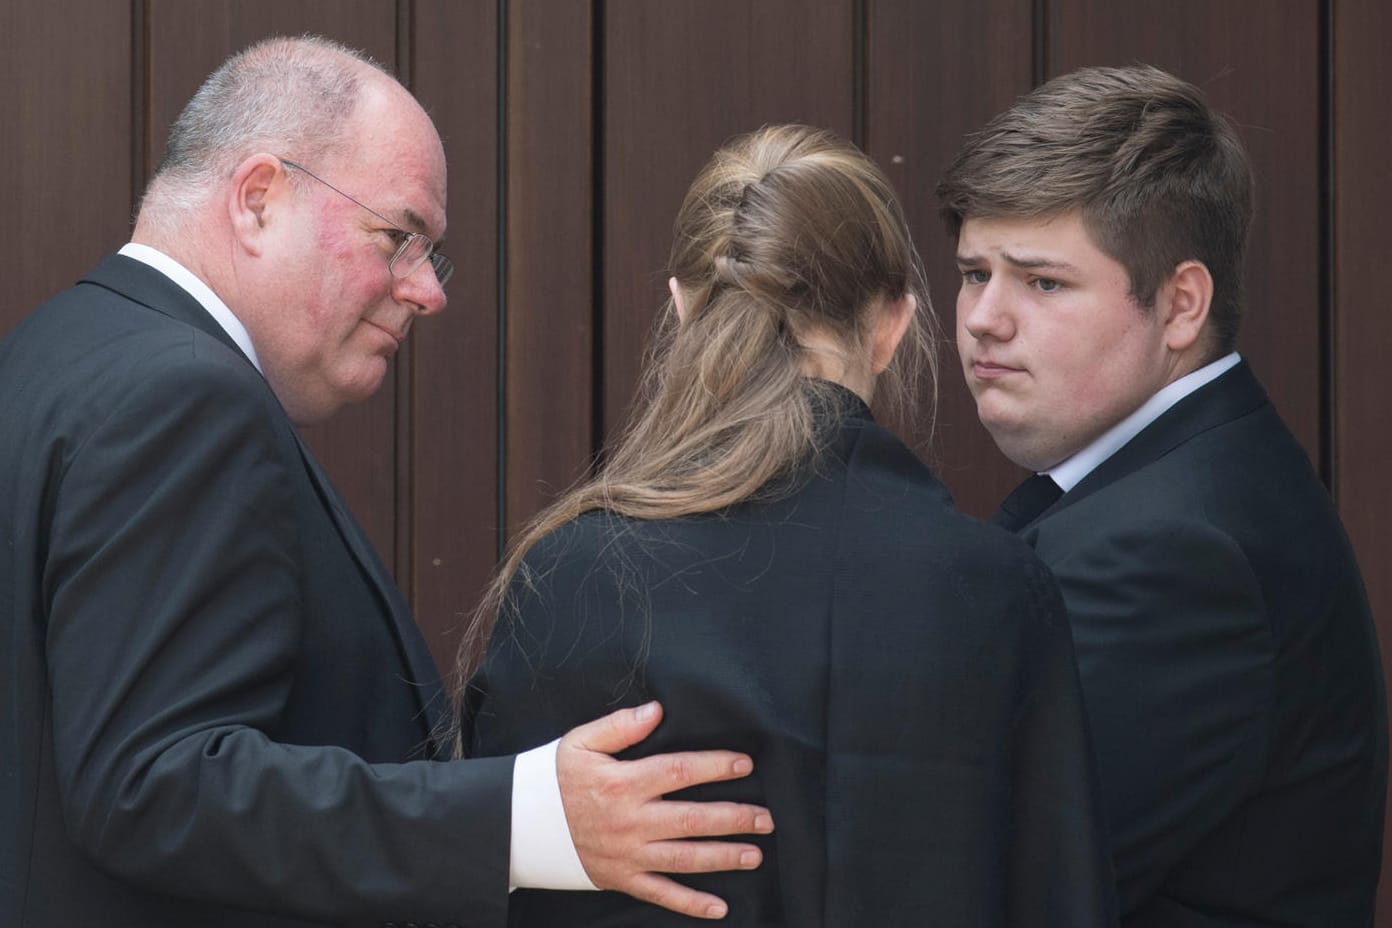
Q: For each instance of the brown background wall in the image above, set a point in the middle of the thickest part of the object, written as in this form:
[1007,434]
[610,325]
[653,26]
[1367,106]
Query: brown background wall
[573,128]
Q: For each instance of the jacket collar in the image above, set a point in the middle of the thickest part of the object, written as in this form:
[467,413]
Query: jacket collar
[141,283]
[1229,397]
[831,400]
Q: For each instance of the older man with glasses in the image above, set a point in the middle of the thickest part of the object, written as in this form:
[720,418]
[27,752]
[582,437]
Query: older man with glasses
[216,706]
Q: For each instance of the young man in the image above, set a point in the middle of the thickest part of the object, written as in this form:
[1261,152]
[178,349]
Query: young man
[216,708]
[1226,651]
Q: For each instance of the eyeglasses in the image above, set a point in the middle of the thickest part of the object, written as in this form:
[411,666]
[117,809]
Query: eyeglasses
[413,248]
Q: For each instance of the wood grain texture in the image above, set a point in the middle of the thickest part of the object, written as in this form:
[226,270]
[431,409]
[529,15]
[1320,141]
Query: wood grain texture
[550,251]
[935,72]
[1362,324]
[1258,62]
[680,78]
[67,113]
[448,432]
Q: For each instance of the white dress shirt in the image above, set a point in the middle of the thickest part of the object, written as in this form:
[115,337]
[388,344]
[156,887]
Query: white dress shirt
[542,852]
[1071,472]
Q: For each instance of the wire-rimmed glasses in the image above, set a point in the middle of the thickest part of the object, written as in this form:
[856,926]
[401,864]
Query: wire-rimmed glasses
[413,248]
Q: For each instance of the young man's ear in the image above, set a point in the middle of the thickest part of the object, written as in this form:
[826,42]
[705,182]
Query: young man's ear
[1185,300]
[893,322]
[257,185]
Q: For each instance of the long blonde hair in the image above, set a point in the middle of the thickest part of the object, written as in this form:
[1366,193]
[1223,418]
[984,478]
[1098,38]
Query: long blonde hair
[786,231]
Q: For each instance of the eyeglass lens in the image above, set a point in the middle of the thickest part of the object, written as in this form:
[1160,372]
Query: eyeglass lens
[413,253]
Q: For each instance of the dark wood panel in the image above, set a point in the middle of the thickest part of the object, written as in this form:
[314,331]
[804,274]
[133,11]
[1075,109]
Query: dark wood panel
[453,382]
[1256,60]
[67,115]
[1362,324]
[186,42]
[681,77]
[550,257]
[934,73]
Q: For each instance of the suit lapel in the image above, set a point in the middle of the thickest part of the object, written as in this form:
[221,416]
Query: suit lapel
[1231,396]
[421,664]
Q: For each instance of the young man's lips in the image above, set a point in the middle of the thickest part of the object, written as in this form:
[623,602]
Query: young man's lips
[986,370]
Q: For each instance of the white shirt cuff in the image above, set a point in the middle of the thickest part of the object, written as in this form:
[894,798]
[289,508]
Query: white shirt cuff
[543,853]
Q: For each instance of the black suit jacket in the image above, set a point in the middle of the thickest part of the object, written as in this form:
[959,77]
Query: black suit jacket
[901,674]
[1230,669]
[216,709]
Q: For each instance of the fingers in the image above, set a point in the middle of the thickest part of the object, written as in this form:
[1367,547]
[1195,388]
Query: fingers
[626,834]
[669,894]
[666,773]
[617,730]
[671,819]
[698,856]
[660,774]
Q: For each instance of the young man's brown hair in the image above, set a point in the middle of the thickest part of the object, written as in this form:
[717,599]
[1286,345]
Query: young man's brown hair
[1158,176]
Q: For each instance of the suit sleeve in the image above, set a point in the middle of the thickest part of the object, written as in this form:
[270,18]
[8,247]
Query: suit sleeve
[172,582]
[1059,872]
[1177,666]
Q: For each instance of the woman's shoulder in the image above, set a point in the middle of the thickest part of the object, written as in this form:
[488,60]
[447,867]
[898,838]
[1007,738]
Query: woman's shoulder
[880,471]
[897,512]
[590,537]
[596,554]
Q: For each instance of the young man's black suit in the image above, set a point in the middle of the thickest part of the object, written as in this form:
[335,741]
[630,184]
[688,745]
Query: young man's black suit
[210,683]
[1230,671]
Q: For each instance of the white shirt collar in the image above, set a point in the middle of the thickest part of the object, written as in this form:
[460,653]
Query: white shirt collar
[199,291]
[1072,471]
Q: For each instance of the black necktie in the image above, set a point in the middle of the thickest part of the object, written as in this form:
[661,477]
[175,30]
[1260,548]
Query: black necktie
[1026,502]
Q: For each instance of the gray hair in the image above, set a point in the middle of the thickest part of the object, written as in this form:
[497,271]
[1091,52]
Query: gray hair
[290,96]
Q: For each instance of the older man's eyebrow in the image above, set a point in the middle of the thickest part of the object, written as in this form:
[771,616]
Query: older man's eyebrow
[413,221]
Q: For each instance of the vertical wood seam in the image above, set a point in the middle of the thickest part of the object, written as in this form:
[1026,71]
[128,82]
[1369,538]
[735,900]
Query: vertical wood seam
[1040,50]
[860,58]
[500,287]
[1328,232]
[598,423]
[403,432]
[139,101]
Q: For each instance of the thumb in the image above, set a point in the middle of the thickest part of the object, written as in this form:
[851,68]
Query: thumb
[617,730]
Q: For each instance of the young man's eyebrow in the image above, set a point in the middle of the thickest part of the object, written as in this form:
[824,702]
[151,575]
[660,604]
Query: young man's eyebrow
[1029,262]
[1038,262]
